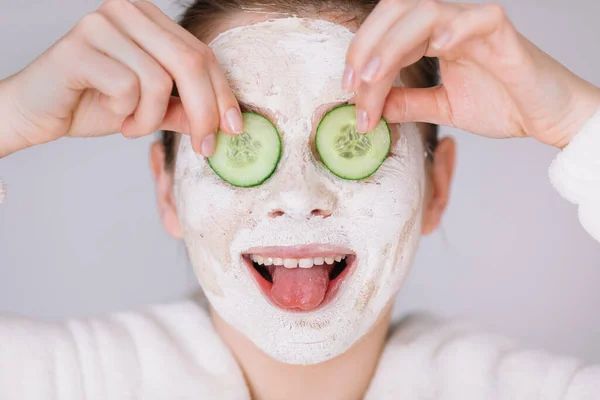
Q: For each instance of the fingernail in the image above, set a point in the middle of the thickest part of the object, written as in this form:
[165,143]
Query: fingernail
[371,69]
[208,145]
[234,120]
[348,78]
[362,121]
[441,40]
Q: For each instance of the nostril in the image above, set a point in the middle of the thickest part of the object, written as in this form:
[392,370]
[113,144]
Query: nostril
[320,213]
[276,213]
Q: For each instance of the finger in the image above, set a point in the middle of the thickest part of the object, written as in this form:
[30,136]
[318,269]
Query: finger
[231,116]
[163,20]
[490,24]
[412,32]
[186,64]
[230,119]
[369,103]
[371,96]
[155,84]
[175,118]
[381,19]
[418,105]
[486,36]
[117,84]
[207,116]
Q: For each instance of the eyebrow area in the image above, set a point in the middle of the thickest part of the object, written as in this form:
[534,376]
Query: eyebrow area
[247,107]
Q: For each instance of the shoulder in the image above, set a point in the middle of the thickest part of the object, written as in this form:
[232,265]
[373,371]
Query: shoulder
[160,351]
[428,357]
[177,350]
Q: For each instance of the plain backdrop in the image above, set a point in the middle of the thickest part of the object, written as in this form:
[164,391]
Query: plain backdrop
[80,235]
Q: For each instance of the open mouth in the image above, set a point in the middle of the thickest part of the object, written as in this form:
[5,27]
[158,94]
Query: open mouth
[299,278]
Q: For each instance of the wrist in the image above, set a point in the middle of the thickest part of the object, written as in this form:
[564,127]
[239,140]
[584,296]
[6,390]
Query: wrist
[11,140]
[585,104]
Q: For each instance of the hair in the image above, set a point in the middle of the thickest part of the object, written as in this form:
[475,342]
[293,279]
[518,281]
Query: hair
[201,17]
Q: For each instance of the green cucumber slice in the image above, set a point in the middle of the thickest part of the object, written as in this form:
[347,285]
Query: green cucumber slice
[347,153]
[250,158]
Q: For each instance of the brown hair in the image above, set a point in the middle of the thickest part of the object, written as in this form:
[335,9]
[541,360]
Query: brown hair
[201,17]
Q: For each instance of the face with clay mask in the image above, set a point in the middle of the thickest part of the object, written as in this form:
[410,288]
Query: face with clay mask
[303,264]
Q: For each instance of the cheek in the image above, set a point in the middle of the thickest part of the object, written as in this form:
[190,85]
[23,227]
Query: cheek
[390,196]
[210,213]
[386,209]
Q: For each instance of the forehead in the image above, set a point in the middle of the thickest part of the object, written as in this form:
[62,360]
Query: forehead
[293,61]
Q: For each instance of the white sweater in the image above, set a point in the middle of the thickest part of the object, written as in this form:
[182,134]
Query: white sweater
[172,352]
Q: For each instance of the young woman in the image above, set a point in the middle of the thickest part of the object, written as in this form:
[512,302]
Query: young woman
[300,271]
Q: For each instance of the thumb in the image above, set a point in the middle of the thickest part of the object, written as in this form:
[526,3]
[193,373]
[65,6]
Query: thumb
[175,119]
[418,105]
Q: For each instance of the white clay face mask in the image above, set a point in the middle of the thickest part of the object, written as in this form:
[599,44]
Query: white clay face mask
[303,264]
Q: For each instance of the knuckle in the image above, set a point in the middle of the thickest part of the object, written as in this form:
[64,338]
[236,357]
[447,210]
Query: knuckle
[91,24]
[190,58]
[126,85]
[120,107]
[115,6]
[64,48]
[495,10]
[146,5]
[160,85]
[430,7]
[164,83]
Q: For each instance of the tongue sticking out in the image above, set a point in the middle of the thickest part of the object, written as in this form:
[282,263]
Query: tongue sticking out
[302,288]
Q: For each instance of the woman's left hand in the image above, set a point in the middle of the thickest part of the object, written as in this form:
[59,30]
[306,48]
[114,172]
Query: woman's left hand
[495,82]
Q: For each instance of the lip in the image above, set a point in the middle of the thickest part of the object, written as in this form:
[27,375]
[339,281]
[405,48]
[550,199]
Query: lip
[301,251]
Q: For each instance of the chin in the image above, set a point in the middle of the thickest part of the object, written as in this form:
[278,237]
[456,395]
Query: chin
[344,291]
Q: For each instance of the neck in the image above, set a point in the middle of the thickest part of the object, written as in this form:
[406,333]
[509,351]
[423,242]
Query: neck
[345,377]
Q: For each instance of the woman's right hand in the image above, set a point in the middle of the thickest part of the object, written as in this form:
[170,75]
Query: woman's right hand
[114,72]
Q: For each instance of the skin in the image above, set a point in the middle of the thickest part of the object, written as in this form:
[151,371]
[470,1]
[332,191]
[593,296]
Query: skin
[302,203]
[129,55]
[496,84]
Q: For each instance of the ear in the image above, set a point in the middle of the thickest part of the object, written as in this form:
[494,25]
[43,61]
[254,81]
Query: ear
[440,174]
[165,199]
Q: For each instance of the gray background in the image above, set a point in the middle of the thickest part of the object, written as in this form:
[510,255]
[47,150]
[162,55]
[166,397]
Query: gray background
[80,235]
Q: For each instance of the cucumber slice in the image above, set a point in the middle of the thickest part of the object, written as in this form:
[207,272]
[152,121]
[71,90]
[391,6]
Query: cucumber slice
[347,153]
[250,158]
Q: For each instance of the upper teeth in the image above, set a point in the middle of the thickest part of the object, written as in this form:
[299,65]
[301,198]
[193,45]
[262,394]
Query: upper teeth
[296,262]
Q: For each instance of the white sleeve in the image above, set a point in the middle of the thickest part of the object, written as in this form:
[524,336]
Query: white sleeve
[575,173]
[457,360]
[163,352]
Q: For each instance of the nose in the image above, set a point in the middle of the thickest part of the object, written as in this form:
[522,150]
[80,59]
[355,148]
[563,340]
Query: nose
[301,195]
